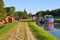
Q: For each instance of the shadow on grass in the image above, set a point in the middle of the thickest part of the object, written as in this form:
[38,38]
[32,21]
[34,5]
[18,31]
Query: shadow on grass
[2,26]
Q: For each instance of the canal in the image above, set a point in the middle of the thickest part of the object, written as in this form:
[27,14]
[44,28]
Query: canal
[56,31]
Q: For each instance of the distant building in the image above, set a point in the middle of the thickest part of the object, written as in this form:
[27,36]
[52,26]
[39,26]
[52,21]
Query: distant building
[9,19]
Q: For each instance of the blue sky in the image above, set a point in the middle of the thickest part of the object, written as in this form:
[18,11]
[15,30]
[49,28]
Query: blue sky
[33,5]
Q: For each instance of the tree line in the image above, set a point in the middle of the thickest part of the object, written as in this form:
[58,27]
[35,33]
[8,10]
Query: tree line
[55,12]
[4,11]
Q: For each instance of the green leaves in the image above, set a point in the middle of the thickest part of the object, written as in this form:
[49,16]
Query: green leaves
[10,10]
[2,10]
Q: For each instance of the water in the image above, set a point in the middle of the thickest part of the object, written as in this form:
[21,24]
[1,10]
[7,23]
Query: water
[57,25]
[56,31]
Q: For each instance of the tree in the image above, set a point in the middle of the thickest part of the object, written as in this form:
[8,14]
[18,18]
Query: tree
[25,15]
[10,10]
[18,15]
[30,15]
[1,4]
[55,12]
[47,12]
[39,13]
[2,10]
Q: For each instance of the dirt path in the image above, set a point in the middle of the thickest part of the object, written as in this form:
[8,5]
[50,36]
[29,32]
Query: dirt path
[19,32]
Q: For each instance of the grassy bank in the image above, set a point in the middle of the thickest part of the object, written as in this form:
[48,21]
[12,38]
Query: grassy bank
[39,33]
[7,27]
[57,19]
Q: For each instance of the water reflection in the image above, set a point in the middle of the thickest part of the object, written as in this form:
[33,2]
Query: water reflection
[57,25]
[56,31]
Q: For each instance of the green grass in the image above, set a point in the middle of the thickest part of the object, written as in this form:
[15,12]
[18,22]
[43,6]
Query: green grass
[7,27]
[57,18]
[39,33]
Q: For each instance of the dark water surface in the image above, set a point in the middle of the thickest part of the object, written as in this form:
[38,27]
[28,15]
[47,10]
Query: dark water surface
[57,25]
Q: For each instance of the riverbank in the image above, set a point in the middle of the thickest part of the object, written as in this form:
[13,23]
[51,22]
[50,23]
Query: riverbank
[57,20]
[57,25]
[40,33]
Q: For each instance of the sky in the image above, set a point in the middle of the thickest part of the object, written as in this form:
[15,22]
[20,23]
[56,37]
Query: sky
[33,6]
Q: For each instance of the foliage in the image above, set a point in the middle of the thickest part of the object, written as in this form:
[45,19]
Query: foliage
[2,10]
[18,14]
[10,10]
[1,3]
[39,13]
[30,15]
[25,15]
[39,33]
[55,12]
[21,14]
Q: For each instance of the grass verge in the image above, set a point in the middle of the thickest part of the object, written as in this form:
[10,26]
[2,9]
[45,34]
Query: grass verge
[39,33]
